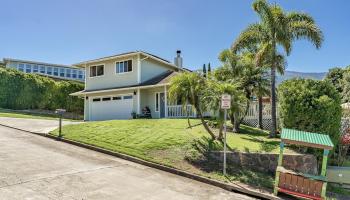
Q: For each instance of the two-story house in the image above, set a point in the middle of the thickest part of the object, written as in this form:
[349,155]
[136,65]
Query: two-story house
[119,85]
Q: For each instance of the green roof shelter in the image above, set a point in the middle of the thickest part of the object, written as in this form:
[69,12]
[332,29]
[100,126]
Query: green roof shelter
[298,184]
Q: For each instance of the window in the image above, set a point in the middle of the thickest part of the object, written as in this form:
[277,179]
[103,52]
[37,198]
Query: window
[13,65]
[74,73]
[42,69]
[117,98]
[55,71]
[127,97]
[122,67]
[157,102]
[49,70]
[35,68]
[97,70]
[80,74]
[106,98]
[61,72]
[68,73]
[96,99]
[28,68]
[21,67]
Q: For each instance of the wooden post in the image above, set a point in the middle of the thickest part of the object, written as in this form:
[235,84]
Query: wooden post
[277,178]
[323,172]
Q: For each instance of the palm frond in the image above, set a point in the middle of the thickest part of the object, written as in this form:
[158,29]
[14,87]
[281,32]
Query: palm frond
[250,36]
[308,31]
[299,16]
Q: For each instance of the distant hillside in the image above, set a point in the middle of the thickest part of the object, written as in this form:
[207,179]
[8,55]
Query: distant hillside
[290,74]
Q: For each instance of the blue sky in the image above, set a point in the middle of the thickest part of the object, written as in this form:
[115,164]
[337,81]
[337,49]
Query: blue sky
[70,31]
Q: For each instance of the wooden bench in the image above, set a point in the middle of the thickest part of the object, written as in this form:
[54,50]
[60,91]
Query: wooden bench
[301,186]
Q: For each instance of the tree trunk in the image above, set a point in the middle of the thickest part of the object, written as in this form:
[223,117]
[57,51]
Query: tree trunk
[273,103]
[188,117]
[205,125]
[236,123]
[260,120]
[221,135]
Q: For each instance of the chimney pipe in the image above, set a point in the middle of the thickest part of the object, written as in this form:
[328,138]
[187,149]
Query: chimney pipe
[178,59]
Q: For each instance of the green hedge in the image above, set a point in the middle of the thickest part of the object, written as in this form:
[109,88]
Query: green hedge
[310,105]
[29,91]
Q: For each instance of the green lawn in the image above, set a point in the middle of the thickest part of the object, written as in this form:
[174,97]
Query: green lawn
[21,114]
[171,142]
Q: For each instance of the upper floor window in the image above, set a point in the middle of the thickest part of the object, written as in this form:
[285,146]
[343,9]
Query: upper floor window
[97,70]
[55,71]
[74,73]
[42,69]
[68,73]
[28,68]
[61,72]
[21,67]
[80,74]
[122,67]
[13,65]
[49,70]
[35,68]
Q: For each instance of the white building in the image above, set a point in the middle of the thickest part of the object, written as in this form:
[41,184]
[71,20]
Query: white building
[51,70]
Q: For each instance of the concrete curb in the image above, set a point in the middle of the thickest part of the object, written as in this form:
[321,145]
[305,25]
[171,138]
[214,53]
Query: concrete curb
[226,186]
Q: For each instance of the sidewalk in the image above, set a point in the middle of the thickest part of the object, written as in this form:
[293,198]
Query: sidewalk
[33,125]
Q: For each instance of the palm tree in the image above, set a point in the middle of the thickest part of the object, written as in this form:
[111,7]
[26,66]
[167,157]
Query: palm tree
[188,87]
[276,29]
[212,98]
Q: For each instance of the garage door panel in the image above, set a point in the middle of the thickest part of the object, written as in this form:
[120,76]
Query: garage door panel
[112,109]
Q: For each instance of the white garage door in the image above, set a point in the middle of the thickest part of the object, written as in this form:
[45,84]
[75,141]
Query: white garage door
[107,108]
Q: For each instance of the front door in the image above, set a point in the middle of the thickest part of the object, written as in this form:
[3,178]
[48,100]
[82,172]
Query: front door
[162,105]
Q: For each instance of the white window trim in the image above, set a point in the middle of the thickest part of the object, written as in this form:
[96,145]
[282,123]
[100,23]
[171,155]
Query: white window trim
[115,66]
[155,101]
[111,96]
[104,71]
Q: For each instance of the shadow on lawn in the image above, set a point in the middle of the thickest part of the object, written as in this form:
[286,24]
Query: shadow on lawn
[265,146]
[202,160]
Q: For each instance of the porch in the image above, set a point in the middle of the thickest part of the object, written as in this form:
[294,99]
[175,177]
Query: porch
[156,101]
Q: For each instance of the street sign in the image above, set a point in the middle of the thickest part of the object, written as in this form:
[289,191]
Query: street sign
[225,101]
[225,104]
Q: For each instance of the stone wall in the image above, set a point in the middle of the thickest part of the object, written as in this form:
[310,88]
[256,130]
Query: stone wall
[266,162]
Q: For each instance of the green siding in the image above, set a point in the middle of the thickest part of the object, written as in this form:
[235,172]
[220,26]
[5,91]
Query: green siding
[307,137]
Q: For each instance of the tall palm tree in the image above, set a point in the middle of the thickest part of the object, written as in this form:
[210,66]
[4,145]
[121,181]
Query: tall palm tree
[276,29]
[189,88]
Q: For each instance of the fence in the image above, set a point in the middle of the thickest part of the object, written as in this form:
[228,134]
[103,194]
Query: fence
[252,117]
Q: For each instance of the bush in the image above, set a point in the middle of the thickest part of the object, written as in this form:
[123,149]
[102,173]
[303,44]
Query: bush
[29,91]
[310,105]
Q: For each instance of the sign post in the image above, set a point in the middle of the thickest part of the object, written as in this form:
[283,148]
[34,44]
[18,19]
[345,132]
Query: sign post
[225,104]
[60,113]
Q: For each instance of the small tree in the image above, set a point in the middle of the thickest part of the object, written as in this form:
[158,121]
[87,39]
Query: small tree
[335,76]
[310,105]
[189,88]
[204,71]
[212,99]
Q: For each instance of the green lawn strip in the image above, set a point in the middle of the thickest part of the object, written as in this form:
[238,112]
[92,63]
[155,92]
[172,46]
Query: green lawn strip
[24,115]
[170,142]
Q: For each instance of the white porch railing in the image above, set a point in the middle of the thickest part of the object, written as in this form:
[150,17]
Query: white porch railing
[178,111]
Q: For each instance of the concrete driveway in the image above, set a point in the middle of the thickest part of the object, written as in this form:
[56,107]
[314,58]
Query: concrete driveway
[33,125]
[34,167]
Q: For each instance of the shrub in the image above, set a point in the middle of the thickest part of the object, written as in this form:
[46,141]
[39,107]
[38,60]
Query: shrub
[29,91]
[310,105]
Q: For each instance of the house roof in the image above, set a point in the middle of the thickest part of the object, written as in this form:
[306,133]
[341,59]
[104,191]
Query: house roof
[131,53]
[160,80]
[5,60]
[308,139]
